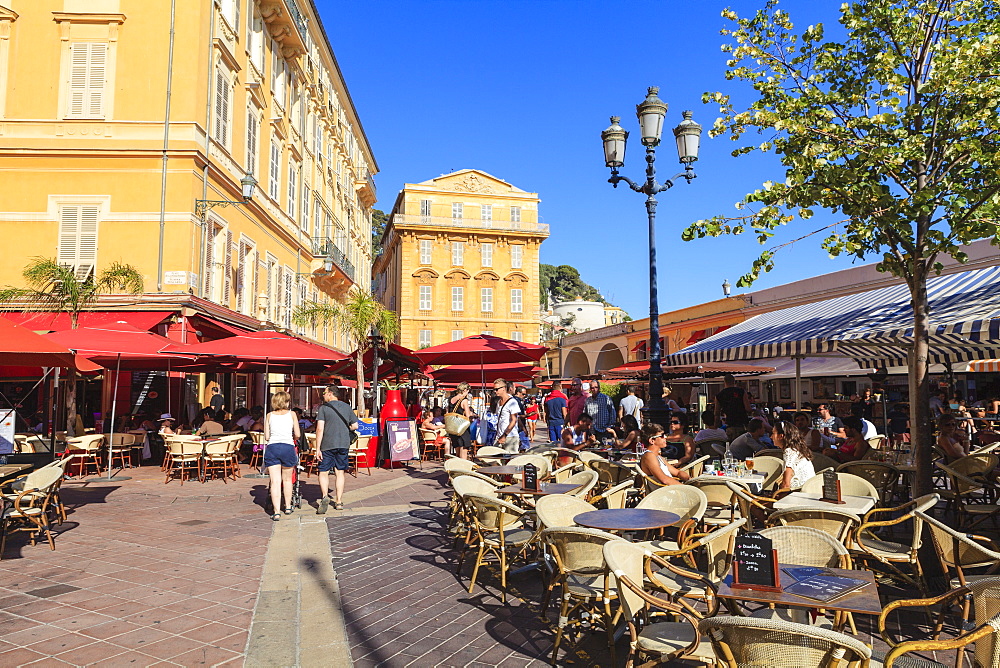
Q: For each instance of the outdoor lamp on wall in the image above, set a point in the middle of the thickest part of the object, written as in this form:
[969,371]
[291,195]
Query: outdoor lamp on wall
[248,183]
[726,287]
[650,113]
[688,136]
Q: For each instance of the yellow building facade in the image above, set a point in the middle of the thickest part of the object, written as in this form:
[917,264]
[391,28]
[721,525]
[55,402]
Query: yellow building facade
[460,257]
[113,126]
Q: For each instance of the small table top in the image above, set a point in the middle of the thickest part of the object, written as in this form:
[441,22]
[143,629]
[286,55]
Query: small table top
[626,519]
[859,505]
[751,479]
[499,470]
[8,471]
[863,601]
[543,489]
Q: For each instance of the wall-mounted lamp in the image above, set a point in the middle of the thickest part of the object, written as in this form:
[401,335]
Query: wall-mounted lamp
[726,288]
[247,185]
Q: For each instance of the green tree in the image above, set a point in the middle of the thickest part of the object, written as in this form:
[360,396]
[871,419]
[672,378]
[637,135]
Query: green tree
[55,287]
[356,317]
[379,221]
[563,283]
[893,127]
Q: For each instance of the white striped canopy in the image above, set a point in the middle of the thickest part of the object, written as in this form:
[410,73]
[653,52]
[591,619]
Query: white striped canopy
[872,328]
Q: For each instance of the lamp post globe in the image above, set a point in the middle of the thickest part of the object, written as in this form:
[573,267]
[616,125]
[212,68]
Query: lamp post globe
[688,137]
[614,139]
[726,287]
[650,113]
[247,185]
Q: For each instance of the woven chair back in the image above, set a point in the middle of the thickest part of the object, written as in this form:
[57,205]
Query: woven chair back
[541,462]
[716,492]
[772,468]
[835,523]
[558,510]
[467,484]
[986,604]
[850,485]
[687,501]
[625,559]
[578,549]
[586,479]
[956,550]
[452,466]
[491,513]
[805,546]
[717,548]
[780,644]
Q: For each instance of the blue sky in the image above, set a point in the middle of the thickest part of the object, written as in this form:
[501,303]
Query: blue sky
[523,89]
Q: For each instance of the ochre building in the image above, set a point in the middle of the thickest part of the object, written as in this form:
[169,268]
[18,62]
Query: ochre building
[460,257]
[107,141]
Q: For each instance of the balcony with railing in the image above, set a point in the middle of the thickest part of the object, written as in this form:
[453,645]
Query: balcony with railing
[401,220]
[287,24]
[331,269]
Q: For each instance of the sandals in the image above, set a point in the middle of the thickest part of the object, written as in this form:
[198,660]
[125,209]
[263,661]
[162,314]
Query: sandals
[338,505]
[275,517]
[289,511]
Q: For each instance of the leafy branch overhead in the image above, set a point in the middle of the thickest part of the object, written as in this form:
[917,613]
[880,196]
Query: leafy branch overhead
[893,128]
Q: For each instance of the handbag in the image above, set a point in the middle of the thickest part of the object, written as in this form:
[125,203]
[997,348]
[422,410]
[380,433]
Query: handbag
[456,424]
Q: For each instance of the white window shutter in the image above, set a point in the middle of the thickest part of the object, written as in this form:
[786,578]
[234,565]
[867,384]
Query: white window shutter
[96,78]
[209,269]
[241,277]
[227,269]
[78,239]
[88,67]
[252,142]
[221,106]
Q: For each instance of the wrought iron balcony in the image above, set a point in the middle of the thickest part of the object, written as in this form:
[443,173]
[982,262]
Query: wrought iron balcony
[323,247]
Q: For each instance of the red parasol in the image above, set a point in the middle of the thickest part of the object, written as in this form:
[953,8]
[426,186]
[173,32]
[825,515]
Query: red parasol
[481,349]
[487,373]
[123,346]
[268,351]
[22,347]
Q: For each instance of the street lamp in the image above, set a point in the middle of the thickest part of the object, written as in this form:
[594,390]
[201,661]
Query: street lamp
[687,135]
[726,287]
[247,185]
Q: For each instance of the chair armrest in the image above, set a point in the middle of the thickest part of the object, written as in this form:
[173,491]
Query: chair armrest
[693,462]
[913,603]
[935,645]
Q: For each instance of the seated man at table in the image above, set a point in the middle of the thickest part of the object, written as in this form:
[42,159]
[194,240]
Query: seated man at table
[749,443]
[213,425]
[582,434]
[711,432]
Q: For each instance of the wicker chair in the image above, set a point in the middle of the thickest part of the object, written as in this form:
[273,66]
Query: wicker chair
[580,574]
[357,454]
[712,448]
[257,455]
[695,467]
[687,501]
[772,468]
[754,508]
[87,451]
[838,524]
[489,454]
[883,476]
[500,533]
[560,474]
[219,457]
[432,445]
[965,491]
[587,457]
[805,546]
[558,510]
[614,497]
[748,641]
[850,485]
[660,641]
[542,463]
[610,474]
[460,517]
[120,449]
[961,551]
[586,481]
[871,548]
[777,453]
[28,510]
[185,456]
[981,598]
[821,462]
[455,465]
[722,508]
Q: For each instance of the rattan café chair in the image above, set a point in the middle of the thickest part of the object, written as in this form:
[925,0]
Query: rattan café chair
[874,549]
[500,533]
[28,509]
[746,641]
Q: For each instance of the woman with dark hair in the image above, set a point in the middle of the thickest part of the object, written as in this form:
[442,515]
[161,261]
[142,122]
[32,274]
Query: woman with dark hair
[459,403]
[952,440]
[854,447]
[812,437]
[681,441]
[630,427]
[797,455]
[652,463]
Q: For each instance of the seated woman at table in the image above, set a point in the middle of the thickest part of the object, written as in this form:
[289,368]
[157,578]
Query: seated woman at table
[797,455]
[953,441]
[213,425]
[582,433]
[427,423]
[632,439]
[167,424]
[812,437]
[681,442]
[854,447]
[652,462]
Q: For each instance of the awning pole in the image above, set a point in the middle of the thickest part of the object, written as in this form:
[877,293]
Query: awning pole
[798,382]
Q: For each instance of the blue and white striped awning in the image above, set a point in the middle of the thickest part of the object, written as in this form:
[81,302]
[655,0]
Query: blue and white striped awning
[870,327]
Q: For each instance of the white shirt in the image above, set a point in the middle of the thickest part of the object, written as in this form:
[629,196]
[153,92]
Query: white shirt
[869,430]
[802,468]
[280,428]
[631,405]
[508,412]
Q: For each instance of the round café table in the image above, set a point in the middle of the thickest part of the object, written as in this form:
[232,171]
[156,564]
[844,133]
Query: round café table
[499,470]
[627,519]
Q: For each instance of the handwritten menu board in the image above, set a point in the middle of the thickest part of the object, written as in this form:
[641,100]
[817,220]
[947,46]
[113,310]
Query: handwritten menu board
[755,563]
[530,477]
[831,487]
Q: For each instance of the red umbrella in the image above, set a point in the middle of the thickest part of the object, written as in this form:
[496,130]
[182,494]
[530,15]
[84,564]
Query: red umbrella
[120,345]
[389,358]
[268,350]
[487,373]
[22,347]
[481,349]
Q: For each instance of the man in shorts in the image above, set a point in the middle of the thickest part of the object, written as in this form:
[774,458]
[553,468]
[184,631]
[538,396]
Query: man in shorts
[334,423]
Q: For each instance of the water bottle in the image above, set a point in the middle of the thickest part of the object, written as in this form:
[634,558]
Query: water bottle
[728,462]
[3,460]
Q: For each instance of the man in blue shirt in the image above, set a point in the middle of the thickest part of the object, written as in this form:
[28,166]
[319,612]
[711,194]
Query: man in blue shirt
[601,410]
[556,409]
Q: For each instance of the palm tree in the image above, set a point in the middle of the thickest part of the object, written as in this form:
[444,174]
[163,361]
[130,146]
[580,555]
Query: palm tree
[357,317]
[56,287]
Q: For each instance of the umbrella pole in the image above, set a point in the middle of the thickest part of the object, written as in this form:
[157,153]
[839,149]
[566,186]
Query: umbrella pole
[114,410]
[267,391]
[798,382]
[53,400]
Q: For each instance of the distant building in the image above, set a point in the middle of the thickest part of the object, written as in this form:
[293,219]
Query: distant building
[579,315]
[614,315]
[460,257]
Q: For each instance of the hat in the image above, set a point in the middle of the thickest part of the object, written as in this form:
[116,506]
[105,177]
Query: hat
[165,416]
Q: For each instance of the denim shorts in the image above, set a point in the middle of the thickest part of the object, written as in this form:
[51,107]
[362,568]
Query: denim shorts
[280,454]
[334,459]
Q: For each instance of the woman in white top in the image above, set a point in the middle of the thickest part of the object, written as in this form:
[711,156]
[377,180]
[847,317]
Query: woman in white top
[798,456]
[281,432]
[654,465]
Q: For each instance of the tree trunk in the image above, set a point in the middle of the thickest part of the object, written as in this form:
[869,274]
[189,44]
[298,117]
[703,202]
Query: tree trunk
[71,377]
[920,427]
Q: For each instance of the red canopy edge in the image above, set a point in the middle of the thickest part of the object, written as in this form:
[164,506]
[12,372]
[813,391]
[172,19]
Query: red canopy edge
[52,321]
[481,349]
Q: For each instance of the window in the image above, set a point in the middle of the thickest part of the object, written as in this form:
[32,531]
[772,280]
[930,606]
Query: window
[516,256]
[488,332]
[486,252]
[293,191]
[456,210]
[515,214]
[424,338]
[223,90]
[457,253]
[255,40]
[88,66]
[457,334]
[425,209]
[305,207]
[516,336]
[486,300]
[425,251]
[516,305]
[243,266]
[289,277]
[425,298]
[273,167]
[271,284]
[78,238]
[253,132]
[486,212]
[458,298]
[317,216]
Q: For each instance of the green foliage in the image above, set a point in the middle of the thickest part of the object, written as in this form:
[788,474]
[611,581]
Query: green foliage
[563,283]
[614,390]
[894,128]
[379,222]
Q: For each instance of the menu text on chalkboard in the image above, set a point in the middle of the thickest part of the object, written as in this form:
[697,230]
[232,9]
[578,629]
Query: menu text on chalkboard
[755,563]
[530,477]
[831,487]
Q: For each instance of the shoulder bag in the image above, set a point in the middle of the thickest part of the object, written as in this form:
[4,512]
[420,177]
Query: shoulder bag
[354,434]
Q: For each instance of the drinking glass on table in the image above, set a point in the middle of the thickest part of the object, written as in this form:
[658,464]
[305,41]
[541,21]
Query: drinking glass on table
[749,463]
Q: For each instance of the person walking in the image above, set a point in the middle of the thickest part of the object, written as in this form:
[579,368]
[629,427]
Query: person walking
[733,402]
[630,405]
[218,400]
[556,412]
[508,437]
[281,432]
[459,403]
[334,423]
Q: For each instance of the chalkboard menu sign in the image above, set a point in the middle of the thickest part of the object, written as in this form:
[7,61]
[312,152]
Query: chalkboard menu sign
[755,563]
[831,487]
[530,477]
